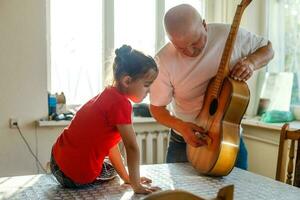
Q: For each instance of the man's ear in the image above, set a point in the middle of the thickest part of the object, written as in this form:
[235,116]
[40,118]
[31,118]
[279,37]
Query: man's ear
[125,81]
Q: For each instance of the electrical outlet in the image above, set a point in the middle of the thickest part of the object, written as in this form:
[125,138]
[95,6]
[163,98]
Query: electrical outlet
[13,122]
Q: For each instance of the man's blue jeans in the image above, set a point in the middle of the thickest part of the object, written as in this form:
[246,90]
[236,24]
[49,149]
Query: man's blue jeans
[177,151]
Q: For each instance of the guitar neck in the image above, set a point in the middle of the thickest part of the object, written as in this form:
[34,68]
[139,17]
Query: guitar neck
[223,70]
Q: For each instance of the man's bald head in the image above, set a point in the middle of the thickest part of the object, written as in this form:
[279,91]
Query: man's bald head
[186,29]
[181,19]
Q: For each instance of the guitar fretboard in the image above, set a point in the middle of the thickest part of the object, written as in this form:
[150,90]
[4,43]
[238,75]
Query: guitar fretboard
[223,70]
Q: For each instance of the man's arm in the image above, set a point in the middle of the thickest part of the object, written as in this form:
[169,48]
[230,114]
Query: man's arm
[187,129]
[244,69]
[261,56]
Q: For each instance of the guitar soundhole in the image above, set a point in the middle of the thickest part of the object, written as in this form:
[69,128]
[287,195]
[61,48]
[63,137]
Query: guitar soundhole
[213,107]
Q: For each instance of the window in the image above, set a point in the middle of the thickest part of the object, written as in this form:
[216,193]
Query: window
[75,48]
[135,24]
[76,31]
[284,32]
[137,27]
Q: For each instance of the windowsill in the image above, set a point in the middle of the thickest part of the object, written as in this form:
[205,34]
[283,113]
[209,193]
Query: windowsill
[248,121]
[255,122]
[47,123]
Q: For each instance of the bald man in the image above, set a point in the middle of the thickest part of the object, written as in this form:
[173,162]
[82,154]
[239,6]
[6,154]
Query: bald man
[186,65]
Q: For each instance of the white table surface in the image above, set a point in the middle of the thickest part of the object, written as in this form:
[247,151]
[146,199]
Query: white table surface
[247,185]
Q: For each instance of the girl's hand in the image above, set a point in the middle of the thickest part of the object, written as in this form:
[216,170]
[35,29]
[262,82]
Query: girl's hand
[141,189]
[145,180]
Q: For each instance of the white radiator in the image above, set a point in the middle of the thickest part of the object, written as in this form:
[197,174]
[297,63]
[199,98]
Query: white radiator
[153,146]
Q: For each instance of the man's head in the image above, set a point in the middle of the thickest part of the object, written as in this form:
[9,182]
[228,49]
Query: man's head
[186,29]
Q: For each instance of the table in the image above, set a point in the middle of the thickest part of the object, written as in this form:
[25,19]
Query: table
[167,176]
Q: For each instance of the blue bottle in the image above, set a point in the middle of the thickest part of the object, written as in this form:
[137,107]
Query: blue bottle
[51,105]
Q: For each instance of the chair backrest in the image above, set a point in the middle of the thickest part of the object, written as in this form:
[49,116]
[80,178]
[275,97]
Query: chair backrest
[225,193]
[287,136]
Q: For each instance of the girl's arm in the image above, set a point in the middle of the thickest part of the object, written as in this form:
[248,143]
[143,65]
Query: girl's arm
[116,160]
[133,159]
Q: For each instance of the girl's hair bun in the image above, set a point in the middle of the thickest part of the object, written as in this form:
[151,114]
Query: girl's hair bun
[129,61]
[123,51]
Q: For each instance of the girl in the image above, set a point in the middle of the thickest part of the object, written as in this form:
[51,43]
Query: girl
[77,157]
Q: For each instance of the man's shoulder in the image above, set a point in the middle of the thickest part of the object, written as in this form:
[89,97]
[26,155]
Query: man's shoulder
[167,49]
[166,54]
[218,28]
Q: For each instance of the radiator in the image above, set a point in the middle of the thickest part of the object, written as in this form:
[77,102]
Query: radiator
[153,146]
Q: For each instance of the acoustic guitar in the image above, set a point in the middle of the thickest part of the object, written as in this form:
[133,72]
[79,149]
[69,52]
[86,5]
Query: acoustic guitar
[225,103]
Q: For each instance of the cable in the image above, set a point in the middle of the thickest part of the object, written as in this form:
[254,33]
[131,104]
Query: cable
[35,157]
[36,147]
[29,148]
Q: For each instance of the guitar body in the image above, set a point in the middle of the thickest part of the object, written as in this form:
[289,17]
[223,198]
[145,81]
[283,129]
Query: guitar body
[224,106]
[221,119]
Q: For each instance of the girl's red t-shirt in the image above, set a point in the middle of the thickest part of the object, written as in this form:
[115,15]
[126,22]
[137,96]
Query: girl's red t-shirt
[81,148]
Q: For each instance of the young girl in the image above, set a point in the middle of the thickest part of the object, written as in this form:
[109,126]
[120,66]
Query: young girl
[77,157]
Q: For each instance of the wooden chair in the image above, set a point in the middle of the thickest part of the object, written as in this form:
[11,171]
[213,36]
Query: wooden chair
[225,193]
[287,135]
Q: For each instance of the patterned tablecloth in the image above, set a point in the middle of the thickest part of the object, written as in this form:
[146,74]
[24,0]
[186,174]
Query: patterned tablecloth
[167,176]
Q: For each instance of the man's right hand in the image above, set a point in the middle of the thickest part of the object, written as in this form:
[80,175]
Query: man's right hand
[188,131]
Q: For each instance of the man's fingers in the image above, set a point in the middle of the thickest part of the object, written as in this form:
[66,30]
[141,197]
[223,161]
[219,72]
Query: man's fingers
[198,128]
[244,74]
[237,66]
[247,77]
[193,141]
[234,70]
[203,138]
[242,70]
[196,142]
[239,72]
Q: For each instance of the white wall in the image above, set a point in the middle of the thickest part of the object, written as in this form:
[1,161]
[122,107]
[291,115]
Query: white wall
[22,80]
[262,145]
[23,84]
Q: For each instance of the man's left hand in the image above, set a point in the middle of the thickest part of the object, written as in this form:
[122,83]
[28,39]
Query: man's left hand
[243,70]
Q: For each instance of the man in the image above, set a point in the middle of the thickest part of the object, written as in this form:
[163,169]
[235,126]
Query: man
[187,64]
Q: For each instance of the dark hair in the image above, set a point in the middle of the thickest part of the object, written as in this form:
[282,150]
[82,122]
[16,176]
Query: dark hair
[131,62]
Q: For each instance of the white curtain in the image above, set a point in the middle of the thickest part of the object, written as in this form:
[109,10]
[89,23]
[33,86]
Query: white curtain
[220,11]
[284,32]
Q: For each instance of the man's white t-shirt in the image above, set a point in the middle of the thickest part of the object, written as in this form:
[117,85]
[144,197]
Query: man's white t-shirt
[182,80]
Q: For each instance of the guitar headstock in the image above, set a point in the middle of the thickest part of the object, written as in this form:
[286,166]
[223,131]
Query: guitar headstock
[245,3]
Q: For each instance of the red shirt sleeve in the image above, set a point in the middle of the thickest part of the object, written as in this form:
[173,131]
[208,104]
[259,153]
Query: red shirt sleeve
[120,113]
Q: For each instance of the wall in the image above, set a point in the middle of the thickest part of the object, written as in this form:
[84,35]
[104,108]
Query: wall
[22,80]
[262,145]
[23,84]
